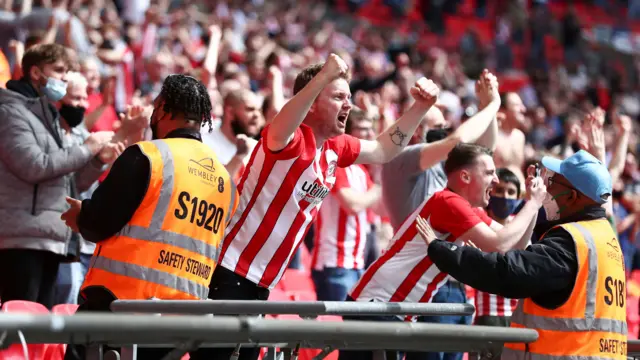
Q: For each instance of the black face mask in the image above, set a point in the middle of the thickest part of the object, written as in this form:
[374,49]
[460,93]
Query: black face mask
[73,115]
[434,135]
[153,125]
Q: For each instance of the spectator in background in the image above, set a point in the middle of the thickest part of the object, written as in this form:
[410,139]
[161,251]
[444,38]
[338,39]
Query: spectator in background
[234,140]
[511,140]
[342,225]
[38,170]
[101,113]
[158,67]
[491,309]
[72,109]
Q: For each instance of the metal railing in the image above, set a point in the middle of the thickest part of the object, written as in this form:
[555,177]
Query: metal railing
[224,331]
[633,349]
[306,309]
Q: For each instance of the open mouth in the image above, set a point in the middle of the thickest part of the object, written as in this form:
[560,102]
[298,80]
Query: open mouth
[342,118]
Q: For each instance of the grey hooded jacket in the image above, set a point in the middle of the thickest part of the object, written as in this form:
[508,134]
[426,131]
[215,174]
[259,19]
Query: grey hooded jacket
[38,169]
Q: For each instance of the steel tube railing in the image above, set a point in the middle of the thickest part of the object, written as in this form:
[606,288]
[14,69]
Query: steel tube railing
[125,329]
[302,308]
[633,348]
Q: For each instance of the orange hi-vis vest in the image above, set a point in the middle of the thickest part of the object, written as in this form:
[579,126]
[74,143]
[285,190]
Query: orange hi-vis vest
[170,247]
[592,323]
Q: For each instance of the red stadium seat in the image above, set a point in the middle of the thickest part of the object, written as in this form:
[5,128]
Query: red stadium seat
[279,295]
[56,351]
[303,295]
[296,280]
[36,351]
[65,309]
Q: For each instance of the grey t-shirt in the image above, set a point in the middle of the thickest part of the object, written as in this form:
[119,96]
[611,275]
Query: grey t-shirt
[405,186]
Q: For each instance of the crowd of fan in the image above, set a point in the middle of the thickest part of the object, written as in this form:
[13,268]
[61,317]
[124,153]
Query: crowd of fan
[248,53]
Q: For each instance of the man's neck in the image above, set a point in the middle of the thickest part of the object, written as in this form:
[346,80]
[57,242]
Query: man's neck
[507,127]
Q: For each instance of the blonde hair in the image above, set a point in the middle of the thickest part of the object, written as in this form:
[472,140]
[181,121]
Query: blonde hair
[76,79]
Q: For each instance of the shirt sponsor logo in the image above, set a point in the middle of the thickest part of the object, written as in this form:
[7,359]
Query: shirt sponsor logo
[313,192]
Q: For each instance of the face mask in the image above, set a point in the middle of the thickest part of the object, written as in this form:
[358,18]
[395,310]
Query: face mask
[434,135]
[73,115]
[55,89]
[153,125]
[502,207]
[551,208]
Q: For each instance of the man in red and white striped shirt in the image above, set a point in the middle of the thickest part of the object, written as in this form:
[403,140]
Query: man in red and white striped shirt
[405,273]
[343,223]
[492,309]
[290,172]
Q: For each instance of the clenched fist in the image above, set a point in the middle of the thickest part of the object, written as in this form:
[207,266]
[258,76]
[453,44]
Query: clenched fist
[425,92]
[334,67]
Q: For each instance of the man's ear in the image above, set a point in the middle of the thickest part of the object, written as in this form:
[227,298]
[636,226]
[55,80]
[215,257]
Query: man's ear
[573,197]
[465,176]
[35,74]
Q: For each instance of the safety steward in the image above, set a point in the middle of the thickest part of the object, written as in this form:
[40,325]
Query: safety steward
[159,216]
[572,280]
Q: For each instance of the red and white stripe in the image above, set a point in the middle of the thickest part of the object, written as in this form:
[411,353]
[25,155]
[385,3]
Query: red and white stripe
[494,305]
[404,273]
[280,195]
[341,236]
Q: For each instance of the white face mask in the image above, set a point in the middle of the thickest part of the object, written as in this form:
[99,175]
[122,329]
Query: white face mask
[551,208]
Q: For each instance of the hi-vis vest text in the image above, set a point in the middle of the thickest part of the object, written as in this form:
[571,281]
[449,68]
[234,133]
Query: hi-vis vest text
[592,323]
[170,247]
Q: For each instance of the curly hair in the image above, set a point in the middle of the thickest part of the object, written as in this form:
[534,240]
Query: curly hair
[186,96]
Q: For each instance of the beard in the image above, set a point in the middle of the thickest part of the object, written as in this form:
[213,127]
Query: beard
[239,128]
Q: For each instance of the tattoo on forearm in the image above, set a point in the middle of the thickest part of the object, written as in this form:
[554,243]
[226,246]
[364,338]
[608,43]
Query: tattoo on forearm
[397,137]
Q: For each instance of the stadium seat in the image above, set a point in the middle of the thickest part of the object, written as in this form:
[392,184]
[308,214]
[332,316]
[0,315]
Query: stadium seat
[296,280]
[279,295]
[36,351]
[303,295]
[65,309]
[20,306]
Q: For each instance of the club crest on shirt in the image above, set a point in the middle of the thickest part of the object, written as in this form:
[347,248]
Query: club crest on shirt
[331,169]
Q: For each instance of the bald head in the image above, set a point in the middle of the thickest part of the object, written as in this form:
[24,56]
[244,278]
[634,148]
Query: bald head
[434,118]
[239,97]
[243,112]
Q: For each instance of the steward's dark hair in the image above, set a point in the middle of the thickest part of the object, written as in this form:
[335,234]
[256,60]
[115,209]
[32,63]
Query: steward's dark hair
[184,95]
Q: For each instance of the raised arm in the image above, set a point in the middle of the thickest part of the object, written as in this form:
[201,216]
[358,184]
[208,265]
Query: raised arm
[487,91]
[391,142]
[295,110]
[482,125]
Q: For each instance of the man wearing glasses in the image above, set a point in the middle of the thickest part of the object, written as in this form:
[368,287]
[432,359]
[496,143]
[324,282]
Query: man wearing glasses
[572,280]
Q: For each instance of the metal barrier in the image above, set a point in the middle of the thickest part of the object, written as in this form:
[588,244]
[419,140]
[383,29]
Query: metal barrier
[302,308]
[223,331]
[633,349]
[305,309]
